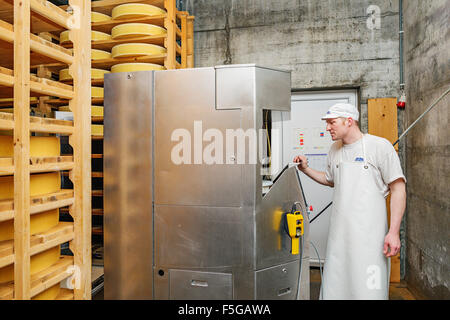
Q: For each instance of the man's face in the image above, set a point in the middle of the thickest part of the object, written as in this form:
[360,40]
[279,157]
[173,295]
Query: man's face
[337,128]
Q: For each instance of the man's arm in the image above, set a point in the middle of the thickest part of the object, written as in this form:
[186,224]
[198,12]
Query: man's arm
[398,205]
[317,176]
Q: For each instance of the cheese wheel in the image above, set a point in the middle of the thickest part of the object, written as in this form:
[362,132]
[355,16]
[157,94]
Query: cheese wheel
[136,49]
[49,294]
[97,54]
[40,184]
[99,17]
[131,67]
[135,10]
[39,223]
[39,147]
[38,262]
[95,36]
[96,111]
[99,36]
[95,74]
[97,92]
[130,30]
[97,129]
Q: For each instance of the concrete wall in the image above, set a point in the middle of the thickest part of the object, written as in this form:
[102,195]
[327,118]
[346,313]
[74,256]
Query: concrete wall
[427,76]
[326,44]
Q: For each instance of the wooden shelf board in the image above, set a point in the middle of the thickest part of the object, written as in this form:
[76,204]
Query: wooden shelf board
[108,63]
[97,193]
[38,164]
[97,212]
[52,275]
[56,236]
[39,203]
[38,86]
[64,102]
[108,44]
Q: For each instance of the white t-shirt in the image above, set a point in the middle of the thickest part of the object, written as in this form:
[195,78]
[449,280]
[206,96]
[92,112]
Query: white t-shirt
[380,154]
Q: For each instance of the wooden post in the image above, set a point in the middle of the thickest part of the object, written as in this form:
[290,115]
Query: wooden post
[184,44]
[190,42]
[170,41]
[22,278]
[81,144]
[382,116]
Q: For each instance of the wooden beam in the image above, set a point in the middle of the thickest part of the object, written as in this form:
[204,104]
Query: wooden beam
[22,279]
[37,44]
[170,40]
[81,144]
[190,42]
[382,120]
[184,27]
[52,12]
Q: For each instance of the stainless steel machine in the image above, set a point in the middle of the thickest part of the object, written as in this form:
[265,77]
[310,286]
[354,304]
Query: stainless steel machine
[180,226]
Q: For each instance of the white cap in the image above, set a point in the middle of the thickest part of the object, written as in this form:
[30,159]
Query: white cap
[345,110]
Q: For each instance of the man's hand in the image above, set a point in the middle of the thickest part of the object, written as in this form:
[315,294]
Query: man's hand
[391,244]
[303,162]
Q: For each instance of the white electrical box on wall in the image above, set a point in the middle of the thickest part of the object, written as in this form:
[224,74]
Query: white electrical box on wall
[304,133]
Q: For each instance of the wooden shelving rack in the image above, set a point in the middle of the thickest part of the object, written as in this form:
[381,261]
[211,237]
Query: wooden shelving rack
[21,23]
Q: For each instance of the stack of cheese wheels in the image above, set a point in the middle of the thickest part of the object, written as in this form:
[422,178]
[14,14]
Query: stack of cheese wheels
[40,184]
[136,30]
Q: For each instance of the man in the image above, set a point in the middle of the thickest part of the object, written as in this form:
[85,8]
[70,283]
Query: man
[363,169]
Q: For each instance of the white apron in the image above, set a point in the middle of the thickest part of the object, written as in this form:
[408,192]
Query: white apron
[355,266]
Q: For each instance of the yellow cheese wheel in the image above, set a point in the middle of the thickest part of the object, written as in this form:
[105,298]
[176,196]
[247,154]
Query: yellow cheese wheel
[131,67]
[97,129]
[129,30]
[97,92]
[39,223]
[39,146]
[95,74]
[95,36]
[49,294]
[40,184]
[135,10]
[97,54]
[96,111]
[100,36]
[38,262]
[99,17]
[136,49]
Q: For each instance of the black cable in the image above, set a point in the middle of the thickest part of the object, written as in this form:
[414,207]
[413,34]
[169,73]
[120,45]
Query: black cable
[321,212]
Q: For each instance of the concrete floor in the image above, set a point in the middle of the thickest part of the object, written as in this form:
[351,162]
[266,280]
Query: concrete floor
[397,291]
